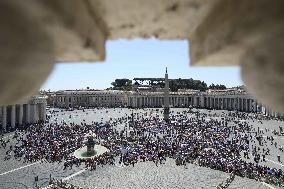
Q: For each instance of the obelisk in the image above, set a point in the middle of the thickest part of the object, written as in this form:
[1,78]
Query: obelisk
[166,98]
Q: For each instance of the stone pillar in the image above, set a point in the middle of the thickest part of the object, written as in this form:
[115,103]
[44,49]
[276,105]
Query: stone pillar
[33,113]
[201,101]
[225,104]
[4,118]
[146,100]
[245,105]
[249,105]
[40,111]
[208,102]
[255,106]
[21,114]
[234,105]
[241,104]
[135,102]
[13,116]
[28,113]
[217,101]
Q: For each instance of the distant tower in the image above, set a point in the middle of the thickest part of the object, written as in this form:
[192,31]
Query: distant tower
[166,98]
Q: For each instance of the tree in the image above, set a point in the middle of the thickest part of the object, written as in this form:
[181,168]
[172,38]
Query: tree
[217,87]
[122,84]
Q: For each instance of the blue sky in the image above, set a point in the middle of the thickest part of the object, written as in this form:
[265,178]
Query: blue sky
[138,58]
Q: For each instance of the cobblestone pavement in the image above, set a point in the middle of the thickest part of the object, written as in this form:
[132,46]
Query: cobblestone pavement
[15,174]
[147,175]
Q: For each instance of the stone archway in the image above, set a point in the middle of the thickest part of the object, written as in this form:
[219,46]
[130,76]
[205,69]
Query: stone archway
[35,34]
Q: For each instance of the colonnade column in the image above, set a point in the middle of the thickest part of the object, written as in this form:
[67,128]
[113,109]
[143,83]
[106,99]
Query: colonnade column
[241,104]
[234,103]
[228,102]
[33,113]
[225,103]
[21,114]
[13,116]
[249,105]
[28,113]
[4,117]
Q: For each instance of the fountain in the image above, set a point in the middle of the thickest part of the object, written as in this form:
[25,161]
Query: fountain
[91,148]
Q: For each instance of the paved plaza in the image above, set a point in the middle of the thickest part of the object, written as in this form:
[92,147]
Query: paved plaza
[18,175]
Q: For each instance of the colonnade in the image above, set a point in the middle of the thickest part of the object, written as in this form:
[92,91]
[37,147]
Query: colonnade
[238,103]
[243,103]
[13,116]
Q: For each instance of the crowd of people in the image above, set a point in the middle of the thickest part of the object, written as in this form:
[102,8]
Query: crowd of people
[220,141]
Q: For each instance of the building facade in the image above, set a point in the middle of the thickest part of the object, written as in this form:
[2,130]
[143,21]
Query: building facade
[233,100]
[221,100]
[13,116]
[90,98]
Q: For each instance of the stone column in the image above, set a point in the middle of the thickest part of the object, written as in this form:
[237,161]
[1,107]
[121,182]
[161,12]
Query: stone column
[146,101]
[195,101]
[217,103]
[255,106]
[225,104]
[21,114]
[208,102]
[249,105]
[13,116]
[202,102]
[4,118]
[241,104]
[33,113]
[40,111]
[28,113]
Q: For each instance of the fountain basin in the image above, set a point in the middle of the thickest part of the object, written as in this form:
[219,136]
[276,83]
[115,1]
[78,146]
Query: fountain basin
[83,153]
